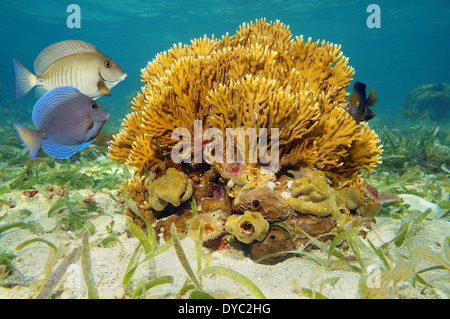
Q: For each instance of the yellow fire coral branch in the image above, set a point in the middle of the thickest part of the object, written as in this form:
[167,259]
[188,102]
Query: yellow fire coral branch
[260,77]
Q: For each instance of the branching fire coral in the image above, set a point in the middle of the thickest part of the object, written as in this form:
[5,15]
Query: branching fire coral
[258,78]
[244,88]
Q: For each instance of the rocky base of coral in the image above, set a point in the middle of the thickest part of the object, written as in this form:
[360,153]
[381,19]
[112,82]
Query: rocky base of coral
[267,216]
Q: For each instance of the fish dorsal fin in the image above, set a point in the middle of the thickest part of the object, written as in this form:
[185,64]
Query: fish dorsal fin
[50,101]
[60,50]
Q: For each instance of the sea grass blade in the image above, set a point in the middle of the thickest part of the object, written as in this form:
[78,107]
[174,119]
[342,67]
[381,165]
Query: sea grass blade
[340,238]
[59,272]
[416,223]
[241,279]
[7,203]
[356,251]
[158,251]
[312,294]
[380,254]
[32,227]
[418,278]
[332,281]
[37,240]
[132,266]
[429,284]
[199,248]
[140,235]
[185,288]
[151,234]
[142,287]
[200,294]
[394,147]
[194,207]
[446,248]
[6,227]
[182,257]
[87,268]
[402,179]
[59,205]
[110,239]
[399,239]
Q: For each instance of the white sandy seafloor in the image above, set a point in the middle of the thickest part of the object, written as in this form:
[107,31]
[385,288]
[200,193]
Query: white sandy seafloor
[283,280]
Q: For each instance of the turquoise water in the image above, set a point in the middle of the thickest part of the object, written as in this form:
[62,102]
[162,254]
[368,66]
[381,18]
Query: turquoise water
[408,50]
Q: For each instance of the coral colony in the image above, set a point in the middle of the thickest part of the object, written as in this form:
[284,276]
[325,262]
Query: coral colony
[253,128]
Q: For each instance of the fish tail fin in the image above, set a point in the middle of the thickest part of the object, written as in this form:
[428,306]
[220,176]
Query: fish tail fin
[31,138]
[25,80]
[372,97]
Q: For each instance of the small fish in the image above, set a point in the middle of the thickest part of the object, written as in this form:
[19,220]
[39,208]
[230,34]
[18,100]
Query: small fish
[359,104]
[435,131]
[70,63]
[67,121]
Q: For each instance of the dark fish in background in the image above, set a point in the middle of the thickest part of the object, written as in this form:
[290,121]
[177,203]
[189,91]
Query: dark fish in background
[359,105]
[67,121]
[70,63]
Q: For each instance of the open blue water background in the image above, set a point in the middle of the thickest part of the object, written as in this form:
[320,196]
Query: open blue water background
[410,49]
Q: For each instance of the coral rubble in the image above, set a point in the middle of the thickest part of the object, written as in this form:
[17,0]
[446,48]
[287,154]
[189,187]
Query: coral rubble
[258,81]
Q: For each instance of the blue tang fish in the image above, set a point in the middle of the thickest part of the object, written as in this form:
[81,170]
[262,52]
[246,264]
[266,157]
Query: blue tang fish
[67,121]
[359,105]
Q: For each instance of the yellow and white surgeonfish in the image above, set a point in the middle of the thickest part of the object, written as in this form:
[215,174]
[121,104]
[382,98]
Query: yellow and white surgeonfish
[70,63]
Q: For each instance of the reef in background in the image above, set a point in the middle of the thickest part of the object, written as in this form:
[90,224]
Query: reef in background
[259,78]
[430,101]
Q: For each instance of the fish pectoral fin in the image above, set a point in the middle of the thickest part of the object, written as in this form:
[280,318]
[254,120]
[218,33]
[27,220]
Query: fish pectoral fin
[372,97]
[85,144]
[102,88]
[355,98]
[40,91]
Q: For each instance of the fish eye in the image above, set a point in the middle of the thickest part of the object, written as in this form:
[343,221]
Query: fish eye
[94,105]
[107,64]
